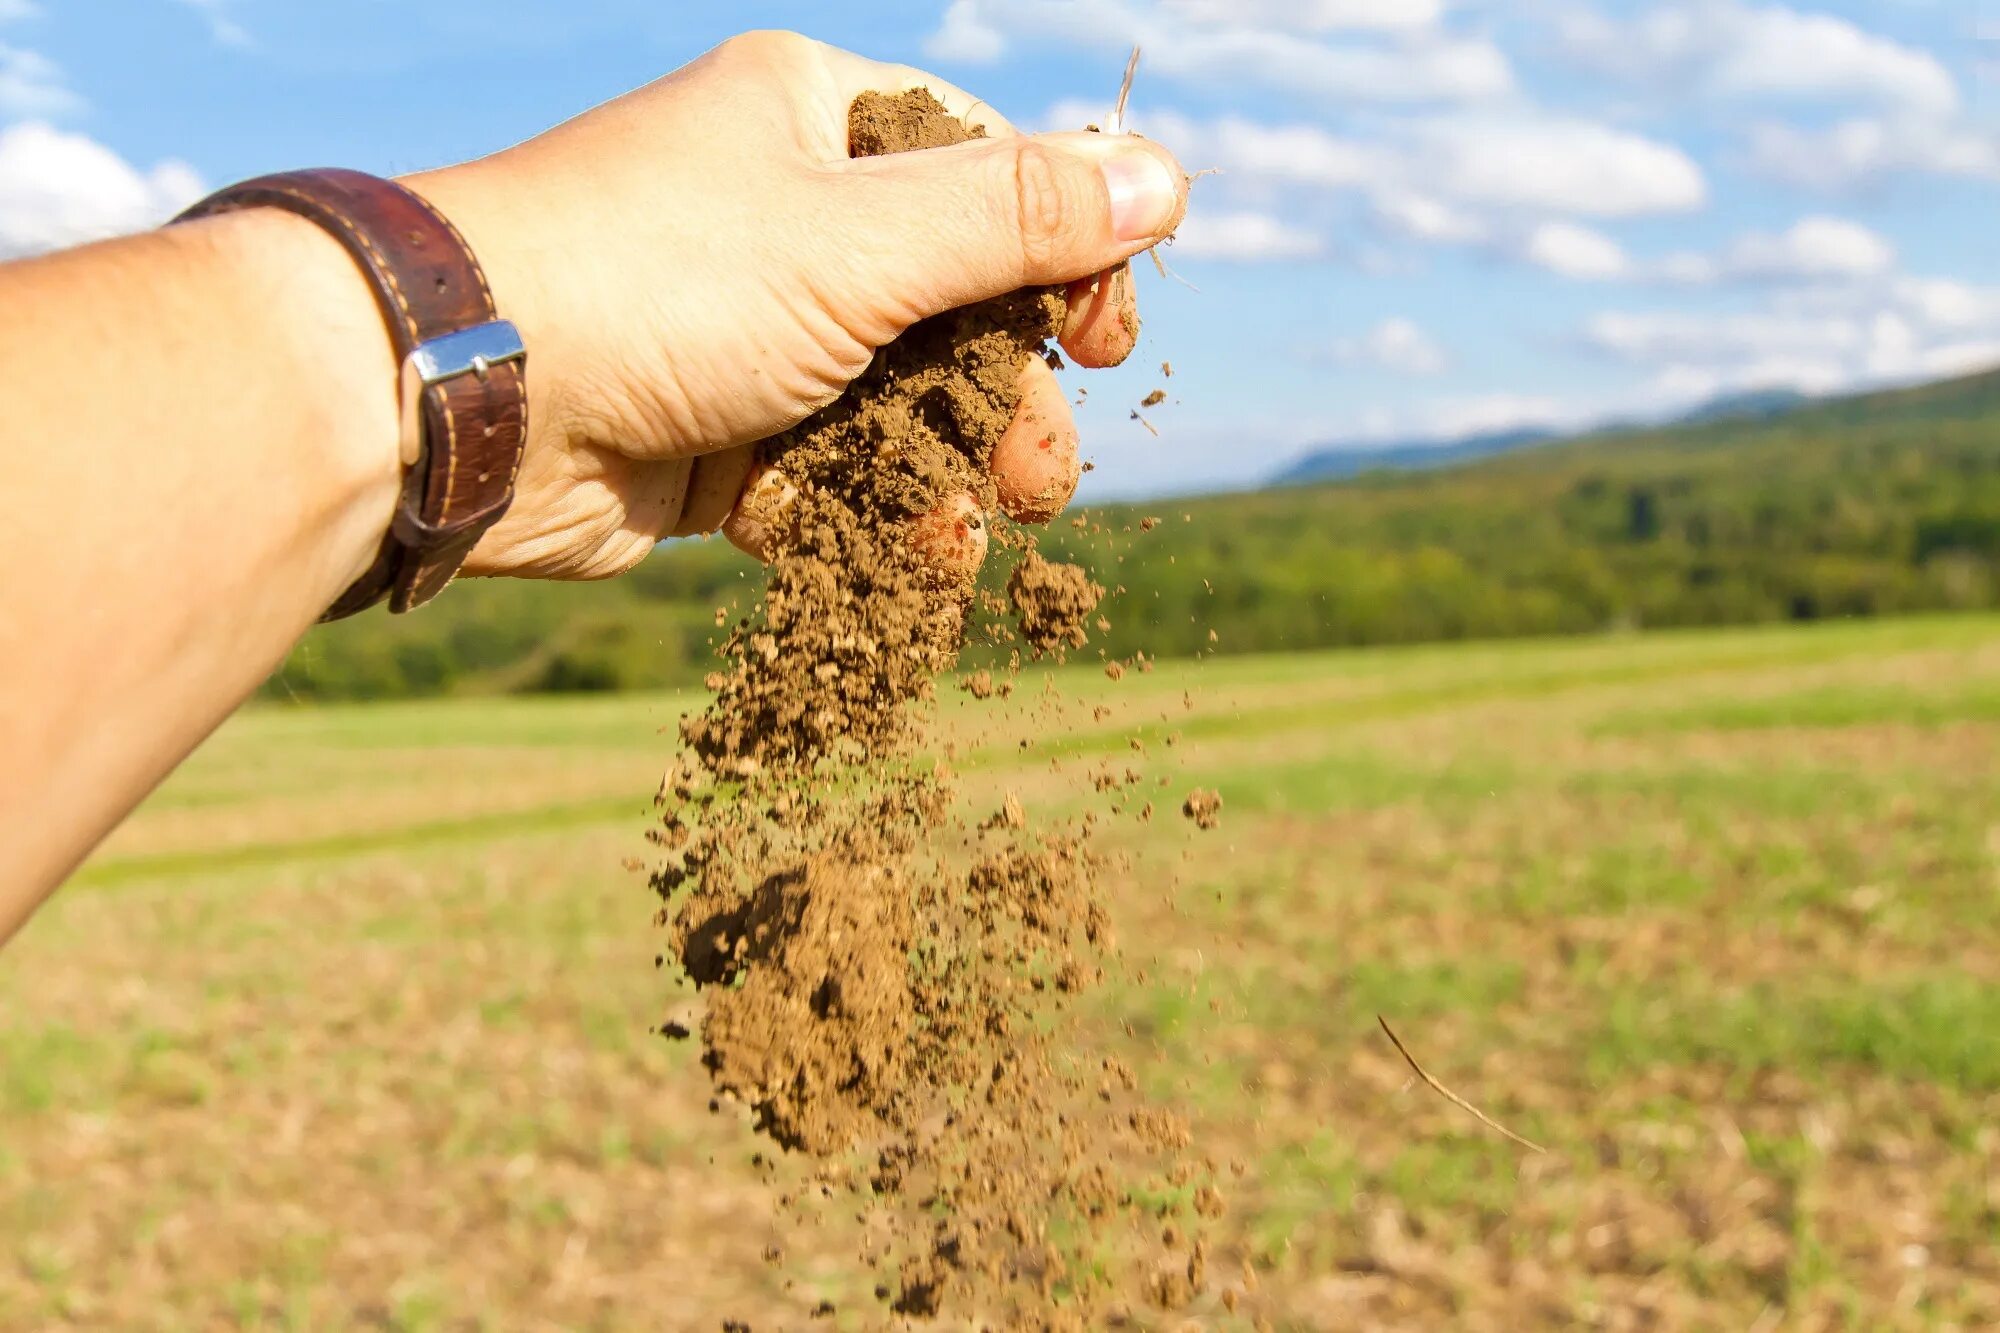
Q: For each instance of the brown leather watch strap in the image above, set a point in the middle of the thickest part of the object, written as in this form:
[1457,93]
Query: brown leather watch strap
[465,374]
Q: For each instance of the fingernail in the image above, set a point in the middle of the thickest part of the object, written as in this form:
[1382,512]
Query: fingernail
[1144,194]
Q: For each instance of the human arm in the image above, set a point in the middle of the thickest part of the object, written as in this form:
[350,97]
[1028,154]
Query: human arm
[203,433]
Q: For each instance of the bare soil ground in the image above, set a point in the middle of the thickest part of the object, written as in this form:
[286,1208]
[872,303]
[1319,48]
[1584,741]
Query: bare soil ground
[317,1042]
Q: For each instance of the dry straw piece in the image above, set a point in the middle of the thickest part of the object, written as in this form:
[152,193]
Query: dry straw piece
[1452,1097]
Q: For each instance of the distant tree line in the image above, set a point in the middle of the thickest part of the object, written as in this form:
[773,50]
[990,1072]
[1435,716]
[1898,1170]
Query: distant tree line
[1877,505]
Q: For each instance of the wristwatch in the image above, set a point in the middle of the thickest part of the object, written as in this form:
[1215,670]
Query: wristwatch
[464,387]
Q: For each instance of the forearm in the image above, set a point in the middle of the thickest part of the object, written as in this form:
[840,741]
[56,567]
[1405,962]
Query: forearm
[203,428]
[201,453]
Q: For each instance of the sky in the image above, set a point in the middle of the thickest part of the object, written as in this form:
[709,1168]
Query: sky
[1422,218]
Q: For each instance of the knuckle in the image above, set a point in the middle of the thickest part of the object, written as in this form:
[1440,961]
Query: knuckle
[768,46]
[1044,210]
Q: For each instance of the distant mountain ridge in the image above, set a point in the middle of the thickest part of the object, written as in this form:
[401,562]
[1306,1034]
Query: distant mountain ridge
[1338,462]
[1756,404]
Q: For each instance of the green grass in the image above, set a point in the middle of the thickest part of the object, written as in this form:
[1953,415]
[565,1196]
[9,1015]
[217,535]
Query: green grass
[402,838]
[1942,1028]
[1829,708]
[350,1024]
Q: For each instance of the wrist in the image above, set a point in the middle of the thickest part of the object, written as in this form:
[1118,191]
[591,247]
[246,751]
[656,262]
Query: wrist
[461,377]
[340,382]
[508,234]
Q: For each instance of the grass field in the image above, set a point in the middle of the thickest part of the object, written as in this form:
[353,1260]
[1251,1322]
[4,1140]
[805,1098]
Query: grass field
[348,1026]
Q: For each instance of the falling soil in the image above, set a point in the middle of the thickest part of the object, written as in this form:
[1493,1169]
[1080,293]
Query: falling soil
[1053,603]
[1204,807]
[886,982]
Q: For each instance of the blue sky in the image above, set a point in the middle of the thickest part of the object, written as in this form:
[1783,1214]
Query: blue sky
[1429,216]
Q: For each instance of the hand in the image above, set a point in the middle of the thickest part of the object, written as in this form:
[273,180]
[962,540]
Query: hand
[698,265]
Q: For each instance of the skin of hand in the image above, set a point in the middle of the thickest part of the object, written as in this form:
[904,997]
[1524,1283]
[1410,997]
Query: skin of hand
[694,267]
[699,265]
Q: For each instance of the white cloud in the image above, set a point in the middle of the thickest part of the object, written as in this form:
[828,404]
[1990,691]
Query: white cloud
[1729,48]
[965,38]
[1431,174]
[1514,183]
[1288,154]
[17,9]
[1819,339]
[1901,108]
[1781,52]
[1490,414]
[1445,70]
[1554,164]
[1423,218]
[1862,150]
[1950,306]
[224,29]
[32,85]
[59,188]
[1447,419]
[1242,236]
[1312,15]
[1817,247]
[1677,336]
[1577,252]
[1396,344]
[1812,250]
[1250,50]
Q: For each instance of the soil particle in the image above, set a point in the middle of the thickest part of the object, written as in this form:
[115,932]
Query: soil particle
[1009,816]
[882,983]
[1169,1288]
[1154,399]
[1054,603]
[1204,807]
[816,1035]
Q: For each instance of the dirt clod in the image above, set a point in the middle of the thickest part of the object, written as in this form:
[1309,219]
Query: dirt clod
[1054,602]
[1204,807]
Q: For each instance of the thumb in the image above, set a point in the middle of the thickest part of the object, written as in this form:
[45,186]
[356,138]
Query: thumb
[944,227]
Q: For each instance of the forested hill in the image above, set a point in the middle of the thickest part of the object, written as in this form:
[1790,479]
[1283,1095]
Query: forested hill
[1863,506]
